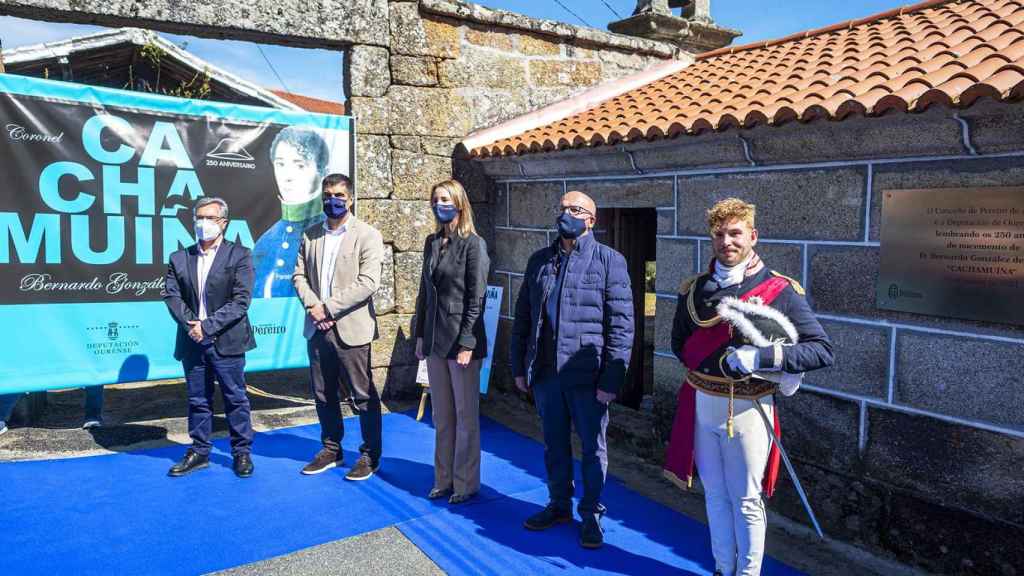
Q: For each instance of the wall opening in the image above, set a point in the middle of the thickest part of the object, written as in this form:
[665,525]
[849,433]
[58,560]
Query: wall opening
[181,65]
[632,232]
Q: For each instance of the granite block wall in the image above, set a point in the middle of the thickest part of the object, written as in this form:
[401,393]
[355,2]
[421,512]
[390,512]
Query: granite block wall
[419,76]
[450,68]
[912,443]
[918,425]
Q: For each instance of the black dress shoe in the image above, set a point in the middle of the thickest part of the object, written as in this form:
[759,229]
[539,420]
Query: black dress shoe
[242,466]
[591,534]
[190,463]
[547,518]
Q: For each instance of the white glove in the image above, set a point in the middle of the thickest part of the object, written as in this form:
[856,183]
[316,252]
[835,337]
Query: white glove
[788,383]
[744,359]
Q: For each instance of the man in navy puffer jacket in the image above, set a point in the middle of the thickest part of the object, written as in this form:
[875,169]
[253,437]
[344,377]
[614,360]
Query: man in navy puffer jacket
[571,342]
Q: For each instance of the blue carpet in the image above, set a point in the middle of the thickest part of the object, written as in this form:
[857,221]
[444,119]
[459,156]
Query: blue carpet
[121,514]
[642,537]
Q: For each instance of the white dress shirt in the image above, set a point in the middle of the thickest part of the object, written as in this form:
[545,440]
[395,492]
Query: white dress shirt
[332,242]
[203,265]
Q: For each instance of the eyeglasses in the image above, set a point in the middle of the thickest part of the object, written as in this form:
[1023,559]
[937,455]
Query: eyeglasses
[211,218]
[575,210]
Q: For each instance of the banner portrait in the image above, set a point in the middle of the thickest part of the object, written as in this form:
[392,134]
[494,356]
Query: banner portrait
[97,192]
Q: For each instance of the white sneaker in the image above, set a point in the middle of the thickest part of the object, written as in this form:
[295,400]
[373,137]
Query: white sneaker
[91,424]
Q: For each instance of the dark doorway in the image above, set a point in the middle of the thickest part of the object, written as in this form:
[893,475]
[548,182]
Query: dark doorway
[632,232]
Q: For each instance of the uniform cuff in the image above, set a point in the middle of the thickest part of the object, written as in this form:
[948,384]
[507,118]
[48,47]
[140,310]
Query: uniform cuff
[769,358]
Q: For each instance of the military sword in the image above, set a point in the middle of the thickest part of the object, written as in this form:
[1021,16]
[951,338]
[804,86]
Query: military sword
[789,467]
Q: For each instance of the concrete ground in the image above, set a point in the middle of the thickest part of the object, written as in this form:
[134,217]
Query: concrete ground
[385,551]
[146,415]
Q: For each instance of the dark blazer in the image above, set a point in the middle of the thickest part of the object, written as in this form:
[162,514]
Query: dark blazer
[228,293]
[595,325]
[450,304]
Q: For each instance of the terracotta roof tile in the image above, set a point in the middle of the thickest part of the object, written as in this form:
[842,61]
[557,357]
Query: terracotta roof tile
[936,52]
[311,104]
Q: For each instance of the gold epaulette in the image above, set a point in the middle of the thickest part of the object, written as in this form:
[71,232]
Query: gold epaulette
[796,285]
[686,284]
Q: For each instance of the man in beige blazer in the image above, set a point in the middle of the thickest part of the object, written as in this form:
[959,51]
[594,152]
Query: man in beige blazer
[337,272]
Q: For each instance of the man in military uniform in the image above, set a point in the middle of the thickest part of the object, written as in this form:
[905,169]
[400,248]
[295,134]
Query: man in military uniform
[717,425]
[300,157]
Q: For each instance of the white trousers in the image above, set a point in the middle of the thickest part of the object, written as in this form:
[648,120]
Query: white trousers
[731,470]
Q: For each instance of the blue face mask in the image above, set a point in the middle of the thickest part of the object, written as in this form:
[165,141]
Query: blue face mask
[335,207]
[571,227]
[445,213]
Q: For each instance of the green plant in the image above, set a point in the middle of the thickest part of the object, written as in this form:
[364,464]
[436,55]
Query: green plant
[153,54]
[198,87]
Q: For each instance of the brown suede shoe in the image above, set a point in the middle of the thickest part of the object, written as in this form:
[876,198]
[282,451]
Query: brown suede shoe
[324,461]
[363,469]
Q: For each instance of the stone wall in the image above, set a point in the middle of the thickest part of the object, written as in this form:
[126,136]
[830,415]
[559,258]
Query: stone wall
[419,76]
[913,442]
[451,68]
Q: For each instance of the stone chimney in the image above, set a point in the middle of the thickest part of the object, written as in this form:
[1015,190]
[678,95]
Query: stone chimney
[694,31]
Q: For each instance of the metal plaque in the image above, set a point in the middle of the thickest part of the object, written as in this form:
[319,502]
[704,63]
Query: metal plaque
[953,252]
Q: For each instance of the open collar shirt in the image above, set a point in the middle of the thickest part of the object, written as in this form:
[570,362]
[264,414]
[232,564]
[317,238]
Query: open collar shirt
[332,243]
[203,264]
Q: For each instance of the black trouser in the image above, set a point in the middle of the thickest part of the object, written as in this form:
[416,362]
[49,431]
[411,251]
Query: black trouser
[337,369]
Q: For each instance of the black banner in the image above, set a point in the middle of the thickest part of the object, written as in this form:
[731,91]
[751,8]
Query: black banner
[93,200]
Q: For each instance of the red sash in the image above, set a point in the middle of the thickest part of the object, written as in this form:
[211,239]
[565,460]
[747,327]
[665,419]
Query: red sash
[697,348]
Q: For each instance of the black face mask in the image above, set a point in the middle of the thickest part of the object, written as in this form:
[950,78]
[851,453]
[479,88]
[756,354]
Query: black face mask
[570,227]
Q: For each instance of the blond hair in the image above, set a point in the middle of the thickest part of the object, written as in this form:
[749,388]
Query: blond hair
[465,226]
[725,211]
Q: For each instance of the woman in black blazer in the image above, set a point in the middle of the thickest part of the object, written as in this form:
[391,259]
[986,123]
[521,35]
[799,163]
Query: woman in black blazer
[450,335]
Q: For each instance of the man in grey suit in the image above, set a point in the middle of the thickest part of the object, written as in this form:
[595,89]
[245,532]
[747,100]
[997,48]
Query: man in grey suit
[337,272]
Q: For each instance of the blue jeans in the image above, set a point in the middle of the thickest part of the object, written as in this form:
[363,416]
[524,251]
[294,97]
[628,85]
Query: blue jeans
[560,408]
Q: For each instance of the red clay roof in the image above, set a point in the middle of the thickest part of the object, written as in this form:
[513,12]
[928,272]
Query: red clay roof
[936,52]
[310,104]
